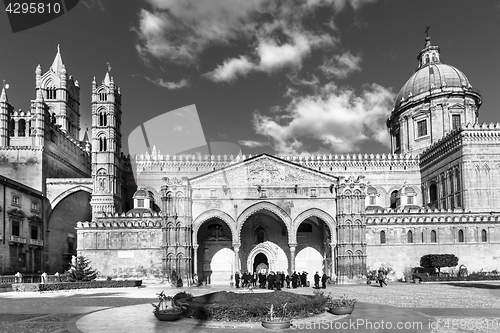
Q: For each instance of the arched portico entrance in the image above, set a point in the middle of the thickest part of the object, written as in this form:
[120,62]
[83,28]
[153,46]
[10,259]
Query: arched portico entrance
[274,254]
[260,263]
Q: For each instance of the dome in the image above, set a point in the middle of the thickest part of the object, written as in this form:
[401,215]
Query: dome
[434,76]
[142,193]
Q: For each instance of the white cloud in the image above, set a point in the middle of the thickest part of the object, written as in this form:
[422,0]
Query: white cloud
[231,69]
[341,65]
[180,30]
[252,143]
[335,120]
[170,85]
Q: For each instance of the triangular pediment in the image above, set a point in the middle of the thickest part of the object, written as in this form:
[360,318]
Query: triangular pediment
[263,170]
[456,106]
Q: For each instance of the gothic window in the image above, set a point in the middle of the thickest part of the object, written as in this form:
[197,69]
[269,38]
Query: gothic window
[12,125]
[395,199]
[382,237]
[410,236]
[460,236]
[21,127]
[422,128]
[102,119]
[484,236]
[102,143]
[103,97]
[455,121]
[50,93]
[433,236]
[433,193]
[260,234]
[372,194]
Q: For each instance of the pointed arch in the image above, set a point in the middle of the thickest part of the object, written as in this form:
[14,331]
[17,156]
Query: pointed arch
[265,205]
[315,212]
[210,214]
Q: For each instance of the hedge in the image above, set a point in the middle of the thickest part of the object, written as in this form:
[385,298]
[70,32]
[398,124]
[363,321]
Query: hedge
[469,278]
[75,285]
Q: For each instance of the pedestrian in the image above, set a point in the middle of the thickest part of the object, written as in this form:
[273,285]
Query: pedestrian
[295,279]
[277,281]
[316,281]
[324,278]
[270,281]
[381,278]
[288,279]
[237,279]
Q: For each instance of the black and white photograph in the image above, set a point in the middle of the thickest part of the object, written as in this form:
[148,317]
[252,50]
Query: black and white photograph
[249,166]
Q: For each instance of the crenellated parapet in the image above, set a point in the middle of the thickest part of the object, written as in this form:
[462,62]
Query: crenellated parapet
[104,215]
[121,224]
[400,217]
[470,133]
[319,162]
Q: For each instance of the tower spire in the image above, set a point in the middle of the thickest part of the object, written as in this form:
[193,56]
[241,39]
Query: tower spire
[57,65]
[427,38]
[3,96]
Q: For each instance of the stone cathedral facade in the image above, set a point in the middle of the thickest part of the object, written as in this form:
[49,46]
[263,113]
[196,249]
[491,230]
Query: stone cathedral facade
[208,216]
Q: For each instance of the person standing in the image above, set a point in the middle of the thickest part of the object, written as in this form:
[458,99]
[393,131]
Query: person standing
[324,278]
[288,279]
[316,281]
[381,278]
[237,279]
[295,278]
[270,281]
[277,281]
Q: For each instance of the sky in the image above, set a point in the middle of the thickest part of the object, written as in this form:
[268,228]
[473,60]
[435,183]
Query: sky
[278,77]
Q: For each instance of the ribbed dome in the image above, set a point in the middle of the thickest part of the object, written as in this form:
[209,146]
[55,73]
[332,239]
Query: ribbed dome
[430,77]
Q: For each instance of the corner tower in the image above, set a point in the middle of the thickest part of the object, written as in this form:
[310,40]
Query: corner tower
[106,146]
[5,110]
[437,99]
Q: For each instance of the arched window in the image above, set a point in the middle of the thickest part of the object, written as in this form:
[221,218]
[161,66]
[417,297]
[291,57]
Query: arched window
[12,125]
[102,143]
[103,97]
[21,127]
[372,194]
[102,119]
[410,236]
[433,193]
[460,236]
[50,92]
[427,59]
[382,237]
[394,199]
[484,236]
[433,236]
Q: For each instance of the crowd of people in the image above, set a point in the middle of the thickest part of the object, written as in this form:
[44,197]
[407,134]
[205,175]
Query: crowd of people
[278,280]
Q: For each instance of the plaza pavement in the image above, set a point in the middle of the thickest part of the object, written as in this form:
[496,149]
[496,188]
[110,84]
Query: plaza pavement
[435,308]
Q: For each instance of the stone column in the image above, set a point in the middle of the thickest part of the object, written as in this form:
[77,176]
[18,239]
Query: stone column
[195,259]
[334,260]
[292,256]
[236,248]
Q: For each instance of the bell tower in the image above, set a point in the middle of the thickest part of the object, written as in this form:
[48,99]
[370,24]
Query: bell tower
[106,146]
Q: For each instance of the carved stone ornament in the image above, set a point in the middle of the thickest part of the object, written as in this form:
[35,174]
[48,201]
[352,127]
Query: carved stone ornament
[264,170]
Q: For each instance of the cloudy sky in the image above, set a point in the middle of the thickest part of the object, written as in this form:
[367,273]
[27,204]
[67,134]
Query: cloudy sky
[286,77]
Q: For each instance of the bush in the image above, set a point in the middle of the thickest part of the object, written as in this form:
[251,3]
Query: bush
[22,287]
[229,306]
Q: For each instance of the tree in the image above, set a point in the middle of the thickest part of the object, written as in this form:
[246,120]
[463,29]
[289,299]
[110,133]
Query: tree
[438,261]
[80,270]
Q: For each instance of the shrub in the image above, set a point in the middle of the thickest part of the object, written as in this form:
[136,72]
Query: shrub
[80,270]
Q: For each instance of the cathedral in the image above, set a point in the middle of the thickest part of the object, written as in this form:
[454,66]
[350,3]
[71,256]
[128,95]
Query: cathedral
[207,216]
